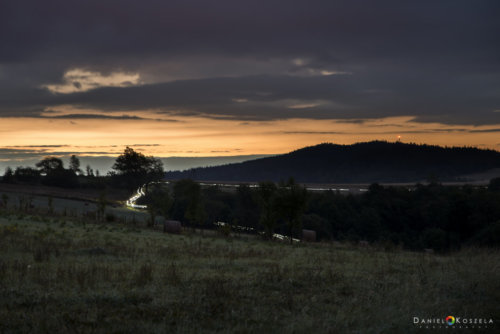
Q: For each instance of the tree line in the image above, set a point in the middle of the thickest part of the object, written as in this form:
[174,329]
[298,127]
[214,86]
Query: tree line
[130,170]
[423,216]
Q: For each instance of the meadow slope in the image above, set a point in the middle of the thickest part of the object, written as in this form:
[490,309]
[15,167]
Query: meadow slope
[64,275]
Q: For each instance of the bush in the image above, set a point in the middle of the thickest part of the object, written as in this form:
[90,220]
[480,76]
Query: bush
[64,178]
[225,230]
[488,236]
[435,238]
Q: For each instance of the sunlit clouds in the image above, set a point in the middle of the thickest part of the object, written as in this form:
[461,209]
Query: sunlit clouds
[304,105]
[79,80]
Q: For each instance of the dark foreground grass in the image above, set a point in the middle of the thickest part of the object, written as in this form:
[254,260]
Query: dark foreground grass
[58,276]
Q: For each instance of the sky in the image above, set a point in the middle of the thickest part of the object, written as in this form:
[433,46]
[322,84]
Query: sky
[197,78]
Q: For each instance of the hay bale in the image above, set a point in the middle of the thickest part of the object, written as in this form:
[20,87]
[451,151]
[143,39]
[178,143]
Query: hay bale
[172,226]
[309,235]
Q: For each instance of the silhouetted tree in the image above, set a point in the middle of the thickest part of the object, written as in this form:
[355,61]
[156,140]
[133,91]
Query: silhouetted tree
[246,211]
[292,201]
[488,236]
[134,168]
[54,173]
[188,203]
[74,164]
[27,175]
[8,176]
[65,178]
[90,171]
[267,193]
[49,164]
[319,224]
[158,202]
[434,238]
[219,205]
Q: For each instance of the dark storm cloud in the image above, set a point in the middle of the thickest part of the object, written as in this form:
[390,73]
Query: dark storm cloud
[320,28]
[436,60]
[278,97]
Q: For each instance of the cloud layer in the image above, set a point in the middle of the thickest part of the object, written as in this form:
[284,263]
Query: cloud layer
[262,60]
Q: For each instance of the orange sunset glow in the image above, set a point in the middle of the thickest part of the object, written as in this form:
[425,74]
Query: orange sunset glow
[196,136]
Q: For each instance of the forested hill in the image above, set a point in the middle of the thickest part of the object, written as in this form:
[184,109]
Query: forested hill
[374,161]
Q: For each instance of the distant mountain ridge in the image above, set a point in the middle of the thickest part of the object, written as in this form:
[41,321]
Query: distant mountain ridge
[376,161]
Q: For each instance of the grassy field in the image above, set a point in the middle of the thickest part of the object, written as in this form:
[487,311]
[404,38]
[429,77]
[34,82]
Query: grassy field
[89,194]
[64,276]
[68,203]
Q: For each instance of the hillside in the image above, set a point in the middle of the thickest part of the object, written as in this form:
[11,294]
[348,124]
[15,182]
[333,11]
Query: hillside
[374,161]
[59,273]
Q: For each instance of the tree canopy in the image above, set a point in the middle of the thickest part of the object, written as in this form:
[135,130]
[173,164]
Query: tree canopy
[134,168]
[49,164]
[74,164]
[55,174]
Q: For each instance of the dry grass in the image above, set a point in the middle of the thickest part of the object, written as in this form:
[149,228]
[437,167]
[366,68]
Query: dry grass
[86,194]
[57,275]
